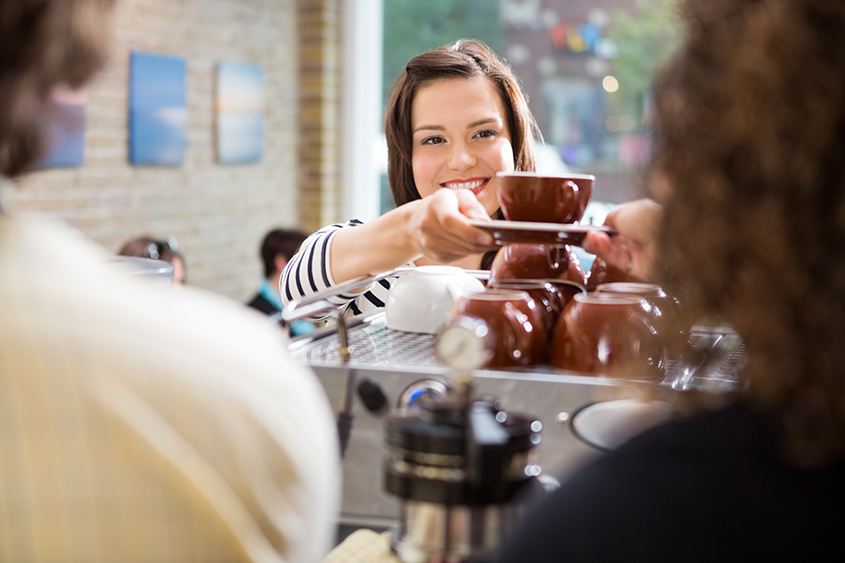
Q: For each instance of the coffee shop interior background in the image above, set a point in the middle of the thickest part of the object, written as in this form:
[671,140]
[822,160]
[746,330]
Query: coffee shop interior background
[326,67]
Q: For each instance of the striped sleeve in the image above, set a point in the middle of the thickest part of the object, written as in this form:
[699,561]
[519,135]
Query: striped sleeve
[309,271]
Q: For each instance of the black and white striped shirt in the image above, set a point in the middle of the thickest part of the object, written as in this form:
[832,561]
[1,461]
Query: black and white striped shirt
[309,271]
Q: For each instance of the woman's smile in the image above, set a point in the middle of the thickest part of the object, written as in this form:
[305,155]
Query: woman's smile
[475,185]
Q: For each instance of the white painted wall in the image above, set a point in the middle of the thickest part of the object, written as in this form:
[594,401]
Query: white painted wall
[361,121]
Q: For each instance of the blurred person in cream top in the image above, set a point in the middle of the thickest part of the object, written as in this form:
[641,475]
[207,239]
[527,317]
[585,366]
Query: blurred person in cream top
[139,424]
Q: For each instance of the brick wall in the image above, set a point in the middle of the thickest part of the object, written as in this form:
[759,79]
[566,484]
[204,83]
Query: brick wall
[217,212]
[320,74]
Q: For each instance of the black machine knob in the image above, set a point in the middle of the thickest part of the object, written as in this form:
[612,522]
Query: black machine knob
[373,396]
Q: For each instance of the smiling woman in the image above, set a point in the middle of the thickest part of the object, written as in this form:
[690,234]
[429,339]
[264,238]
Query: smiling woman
[461,139]
[455,118]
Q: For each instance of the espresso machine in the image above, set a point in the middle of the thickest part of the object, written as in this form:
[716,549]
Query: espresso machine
[434,448]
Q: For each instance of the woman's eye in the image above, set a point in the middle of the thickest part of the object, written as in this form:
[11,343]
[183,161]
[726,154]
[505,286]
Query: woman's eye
[432,141]
[486,133]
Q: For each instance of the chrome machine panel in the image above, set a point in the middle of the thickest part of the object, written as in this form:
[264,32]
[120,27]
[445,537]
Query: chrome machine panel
[405,363]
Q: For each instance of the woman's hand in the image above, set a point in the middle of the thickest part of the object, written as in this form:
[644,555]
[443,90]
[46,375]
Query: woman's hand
[433,228]
[632,249]
[437,229]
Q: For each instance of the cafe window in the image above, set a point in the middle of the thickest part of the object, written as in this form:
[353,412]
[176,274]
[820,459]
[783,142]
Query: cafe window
[586,65]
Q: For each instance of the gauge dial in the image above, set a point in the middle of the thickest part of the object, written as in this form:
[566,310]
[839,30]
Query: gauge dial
[464,344]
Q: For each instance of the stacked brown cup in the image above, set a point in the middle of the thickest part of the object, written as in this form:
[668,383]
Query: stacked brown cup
[530,197]
[516,326]
[668,315]
[530,284]
[536,305]
[608,334]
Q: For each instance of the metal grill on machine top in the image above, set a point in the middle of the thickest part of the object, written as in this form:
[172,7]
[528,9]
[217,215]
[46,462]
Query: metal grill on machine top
[374,346]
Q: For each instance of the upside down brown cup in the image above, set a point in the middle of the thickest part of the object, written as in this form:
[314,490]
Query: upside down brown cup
[602,272]
[551,295]
[607,335]
[665,312]
[537,261]
[515,325]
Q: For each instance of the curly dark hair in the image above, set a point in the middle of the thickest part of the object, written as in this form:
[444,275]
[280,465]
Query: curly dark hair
[43,44]
[750,121]
[467,58]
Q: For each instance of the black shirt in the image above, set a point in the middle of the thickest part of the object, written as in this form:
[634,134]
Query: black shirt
[710,488]
[263,304]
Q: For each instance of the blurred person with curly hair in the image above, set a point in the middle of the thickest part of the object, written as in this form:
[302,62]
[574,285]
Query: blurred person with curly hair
[749,166]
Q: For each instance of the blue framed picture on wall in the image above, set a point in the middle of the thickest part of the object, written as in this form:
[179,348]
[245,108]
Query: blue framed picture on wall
[158,109]
[65,129]
[239,112]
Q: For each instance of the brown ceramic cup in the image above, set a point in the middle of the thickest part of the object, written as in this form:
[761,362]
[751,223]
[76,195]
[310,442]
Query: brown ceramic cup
[537,261]
[515,323]
[528,196]
[551,295]
[607,335]
[602,272]
[568,289]
[665,312]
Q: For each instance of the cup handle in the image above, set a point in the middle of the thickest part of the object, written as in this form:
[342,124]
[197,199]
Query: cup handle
[570,191]
[557,257]
[514,341]
[652,348]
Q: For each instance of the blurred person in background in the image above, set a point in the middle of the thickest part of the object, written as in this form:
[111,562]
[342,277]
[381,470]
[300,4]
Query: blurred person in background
[277,248]
[749,169]
[136,425]
[167,250]
[456,116]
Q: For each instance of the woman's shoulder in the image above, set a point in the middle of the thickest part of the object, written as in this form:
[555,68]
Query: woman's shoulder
[337,226]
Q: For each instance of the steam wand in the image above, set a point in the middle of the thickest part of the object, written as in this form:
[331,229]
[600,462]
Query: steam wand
[345,416]
[319,303]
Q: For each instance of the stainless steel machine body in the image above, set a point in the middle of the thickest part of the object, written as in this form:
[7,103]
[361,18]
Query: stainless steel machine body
[404,364]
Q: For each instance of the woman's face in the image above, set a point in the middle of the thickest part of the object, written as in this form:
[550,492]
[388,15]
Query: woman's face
[461,138]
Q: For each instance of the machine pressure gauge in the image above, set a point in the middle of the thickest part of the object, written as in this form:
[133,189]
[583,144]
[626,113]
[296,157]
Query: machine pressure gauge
[464,344]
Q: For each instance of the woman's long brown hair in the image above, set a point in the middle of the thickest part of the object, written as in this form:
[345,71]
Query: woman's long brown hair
[467,58]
